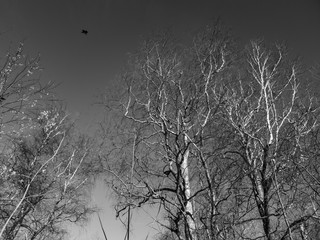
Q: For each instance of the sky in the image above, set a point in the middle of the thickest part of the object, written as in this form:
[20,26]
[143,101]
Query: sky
[85,65]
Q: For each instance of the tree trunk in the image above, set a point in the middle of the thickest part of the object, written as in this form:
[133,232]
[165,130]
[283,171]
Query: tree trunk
[191,226]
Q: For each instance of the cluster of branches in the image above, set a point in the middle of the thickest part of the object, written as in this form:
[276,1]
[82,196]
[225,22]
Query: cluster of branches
[43,160]
[224,141]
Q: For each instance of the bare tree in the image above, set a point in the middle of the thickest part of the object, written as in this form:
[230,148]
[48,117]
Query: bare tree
[20,87]
[274,120]
[224,142]
[171,122]
[43,160]
[43,179]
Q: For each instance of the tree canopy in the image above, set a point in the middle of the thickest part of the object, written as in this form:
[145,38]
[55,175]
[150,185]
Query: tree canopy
[222,138]
[43,158]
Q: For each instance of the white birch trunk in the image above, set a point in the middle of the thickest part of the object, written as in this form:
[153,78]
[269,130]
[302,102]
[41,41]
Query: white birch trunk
[187,192]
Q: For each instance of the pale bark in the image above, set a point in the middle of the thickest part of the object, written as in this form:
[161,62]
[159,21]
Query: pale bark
[187,194]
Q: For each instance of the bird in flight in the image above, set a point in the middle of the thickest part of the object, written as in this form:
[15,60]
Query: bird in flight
[85,32]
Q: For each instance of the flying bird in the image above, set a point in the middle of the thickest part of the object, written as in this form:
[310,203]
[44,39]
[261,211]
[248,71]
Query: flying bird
[85,32]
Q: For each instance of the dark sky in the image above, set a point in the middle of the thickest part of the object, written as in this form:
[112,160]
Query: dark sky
[86,64]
